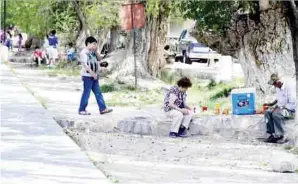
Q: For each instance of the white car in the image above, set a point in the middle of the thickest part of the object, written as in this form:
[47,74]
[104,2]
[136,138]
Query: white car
[189,49]
[199,52]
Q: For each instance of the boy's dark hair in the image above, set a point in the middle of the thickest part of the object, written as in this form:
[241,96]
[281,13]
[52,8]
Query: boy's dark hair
[184,82]
[20,35]
[53,32]
[70,44]
[90,39]
[37,47]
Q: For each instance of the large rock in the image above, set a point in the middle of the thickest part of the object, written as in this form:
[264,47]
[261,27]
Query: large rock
[136,125]
[284,162]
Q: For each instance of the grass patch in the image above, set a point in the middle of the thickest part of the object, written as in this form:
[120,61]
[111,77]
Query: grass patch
[107,88]
[63,68]
[288,147]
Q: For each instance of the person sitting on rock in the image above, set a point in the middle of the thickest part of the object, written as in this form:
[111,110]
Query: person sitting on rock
[38,56]
[284,107]
[168,55]
[71,52]
[175,107]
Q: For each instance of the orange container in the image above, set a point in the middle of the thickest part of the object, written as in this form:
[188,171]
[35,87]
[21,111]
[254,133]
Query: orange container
[225,112]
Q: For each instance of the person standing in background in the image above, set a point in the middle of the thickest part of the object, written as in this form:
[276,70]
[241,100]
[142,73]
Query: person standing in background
[53,48]
[20,40]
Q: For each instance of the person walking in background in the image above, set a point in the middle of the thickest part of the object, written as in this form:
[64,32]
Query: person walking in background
[9,40]
[53,48]
[176,108]
[90,68]
[20,40]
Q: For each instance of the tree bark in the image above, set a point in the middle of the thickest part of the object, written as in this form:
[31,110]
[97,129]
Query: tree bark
[293,22]
[114,38]
[84,32]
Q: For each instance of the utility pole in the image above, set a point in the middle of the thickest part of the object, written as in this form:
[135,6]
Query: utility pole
[134,41]
[4,19]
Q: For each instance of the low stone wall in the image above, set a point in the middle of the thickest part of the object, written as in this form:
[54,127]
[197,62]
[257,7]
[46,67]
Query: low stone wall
[4,54]
[154,122]
[239,127]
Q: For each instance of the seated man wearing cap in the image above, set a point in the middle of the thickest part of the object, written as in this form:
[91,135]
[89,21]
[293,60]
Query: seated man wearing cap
[284,107]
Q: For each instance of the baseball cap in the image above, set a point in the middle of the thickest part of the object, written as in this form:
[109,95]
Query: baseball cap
[273,78]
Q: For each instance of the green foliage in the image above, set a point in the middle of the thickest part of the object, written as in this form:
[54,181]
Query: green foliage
[102,13]
[214,16]
[106,88]
[210,15]
[152,7]
[30,15]
[211,84]
[38,17]
[64,16]
[223,93]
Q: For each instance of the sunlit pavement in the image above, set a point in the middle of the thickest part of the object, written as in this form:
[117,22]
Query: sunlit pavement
[34,149]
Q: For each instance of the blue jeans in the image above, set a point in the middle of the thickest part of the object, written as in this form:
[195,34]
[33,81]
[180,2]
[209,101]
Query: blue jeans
[275,122]
[91,84]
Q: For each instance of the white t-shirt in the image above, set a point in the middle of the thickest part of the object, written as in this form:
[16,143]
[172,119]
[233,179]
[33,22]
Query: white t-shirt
[88,58]
[286,95]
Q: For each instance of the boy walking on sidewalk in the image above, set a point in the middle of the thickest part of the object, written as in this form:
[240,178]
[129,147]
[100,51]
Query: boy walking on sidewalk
[90,67]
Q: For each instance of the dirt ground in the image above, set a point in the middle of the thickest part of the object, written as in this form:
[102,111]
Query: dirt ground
[135,159]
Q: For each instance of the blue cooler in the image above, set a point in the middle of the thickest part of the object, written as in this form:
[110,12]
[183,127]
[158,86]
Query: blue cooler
[243,101]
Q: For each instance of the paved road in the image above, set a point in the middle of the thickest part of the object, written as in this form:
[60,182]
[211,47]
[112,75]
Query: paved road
[34,149]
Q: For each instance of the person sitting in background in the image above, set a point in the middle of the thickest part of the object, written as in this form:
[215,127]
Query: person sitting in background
[168,55]
[38,56]
[70,52]
[176,108]
[284,107]
[20,39]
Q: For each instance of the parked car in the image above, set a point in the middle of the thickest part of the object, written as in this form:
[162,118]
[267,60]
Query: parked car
[189,49]
[201,53]
[183,42]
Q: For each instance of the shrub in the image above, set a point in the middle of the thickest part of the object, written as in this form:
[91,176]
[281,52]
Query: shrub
[106,88]
[223,93]
[211,84]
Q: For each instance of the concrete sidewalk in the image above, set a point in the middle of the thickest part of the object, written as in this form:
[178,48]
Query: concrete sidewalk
[34,149]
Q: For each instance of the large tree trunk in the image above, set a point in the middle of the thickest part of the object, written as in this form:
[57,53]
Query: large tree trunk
[114,38]
[158,32]
[263,43]
[149,51]
[84,31]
